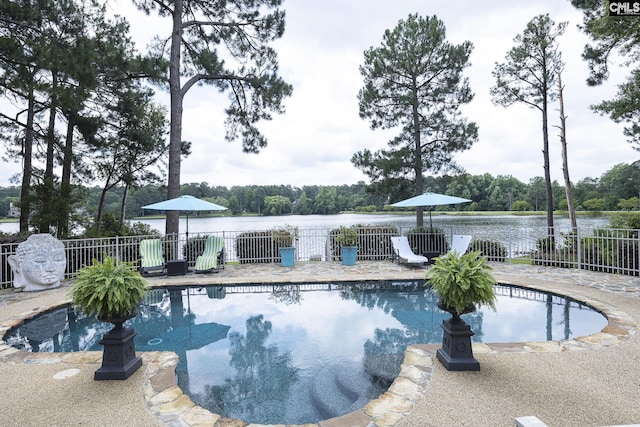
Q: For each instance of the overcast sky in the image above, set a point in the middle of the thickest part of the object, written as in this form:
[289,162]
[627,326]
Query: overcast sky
[320,53]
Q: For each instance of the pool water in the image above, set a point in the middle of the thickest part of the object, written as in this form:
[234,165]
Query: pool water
[298,354]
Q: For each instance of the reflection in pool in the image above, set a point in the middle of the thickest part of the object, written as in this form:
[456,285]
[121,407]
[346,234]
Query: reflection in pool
[298,354]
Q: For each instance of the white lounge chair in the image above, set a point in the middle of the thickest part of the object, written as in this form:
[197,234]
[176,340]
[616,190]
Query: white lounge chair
[404,253]
[460,243]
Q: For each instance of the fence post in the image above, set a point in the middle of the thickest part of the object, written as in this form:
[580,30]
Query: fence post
[327,245]
[117,249]
[579,248]
[510,241]
[637,266]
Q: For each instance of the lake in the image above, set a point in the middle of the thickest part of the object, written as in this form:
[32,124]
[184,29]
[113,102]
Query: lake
[459,224]
[449,223]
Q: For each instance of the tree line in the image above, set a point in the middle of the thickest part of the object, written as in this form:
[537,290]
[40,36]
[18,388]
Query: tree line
[616,189]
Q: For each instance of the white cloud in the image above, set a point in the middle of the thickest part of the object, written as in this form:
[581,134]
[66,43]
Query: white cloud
[320,54]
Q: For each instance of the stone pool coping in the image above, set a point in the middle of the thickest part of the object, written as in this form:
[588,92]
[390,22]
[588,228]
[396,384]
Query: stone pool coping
[170,405]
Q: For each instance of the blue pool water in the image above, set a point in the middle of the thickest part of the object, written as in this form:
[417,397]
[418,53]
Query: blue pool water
[298,354]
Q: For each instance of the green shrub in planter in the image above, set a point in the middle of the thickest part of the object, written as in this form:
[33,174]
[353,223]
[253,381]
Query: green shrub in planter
[462,281]
[108,289]
[347,236]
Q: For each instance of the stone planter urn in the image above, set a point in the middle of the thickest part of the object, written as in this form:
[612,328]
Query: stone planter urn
[456,353]
[119,360]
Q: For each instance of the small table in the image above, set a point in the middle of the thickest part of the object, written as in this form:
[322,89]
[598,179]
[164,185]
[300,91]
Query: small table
[177,267]
[431,255]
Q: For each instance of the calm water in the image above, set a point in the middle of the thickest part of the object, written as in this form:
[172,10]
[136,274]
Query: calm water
[302,353]
[462,224]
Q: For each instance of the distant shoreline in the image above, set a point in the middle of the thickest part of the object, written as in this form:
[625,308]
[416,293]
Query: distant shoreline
[452,213]
[434,213]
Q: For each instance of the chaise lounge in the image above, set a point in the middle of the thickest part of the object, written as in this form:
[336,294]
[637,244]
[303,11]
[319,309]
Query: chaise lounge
[151,257]
[460,243]
[212,258]
[404,253]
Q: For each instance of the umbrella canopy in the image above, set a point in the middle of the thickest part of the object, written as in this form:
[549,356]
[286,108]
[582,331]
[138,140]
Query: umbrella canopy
[430,199]
[186,204]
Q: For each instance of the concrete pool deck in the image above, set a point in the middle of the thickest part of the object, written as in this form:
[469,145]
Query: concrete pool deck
[588,381]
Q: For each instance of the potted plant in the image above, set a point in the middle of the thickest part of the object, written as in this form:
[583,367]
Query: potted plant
[285,239]
[347,238]
[112,291]
[463,283]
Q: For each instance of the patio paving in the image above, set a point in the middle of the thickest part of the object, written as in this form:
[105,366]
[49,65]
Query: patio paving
[589,381]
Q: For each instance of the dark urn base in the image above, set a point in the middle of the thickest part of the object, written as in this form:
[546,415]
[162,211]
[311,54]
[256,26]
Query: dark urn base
[119,360]
[456,353]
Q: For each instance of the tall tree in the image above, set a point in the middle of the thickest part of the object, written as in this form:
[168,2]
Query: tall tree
[614,35]
[225,44]
[131,142]
[413,81]
[21,45]
[69,28]
[565,157]
[528,76]
[46,32]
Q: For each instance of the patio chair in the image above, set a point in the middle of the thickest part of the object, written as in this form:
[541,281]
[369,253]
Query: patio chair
[460,243]
[151,257]
[212,258]
[403,252]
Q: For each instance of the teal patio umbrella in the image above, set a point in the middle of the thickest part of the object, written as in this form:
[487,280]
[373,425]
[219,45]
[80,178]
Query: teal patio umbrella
[185,204]
[429,200]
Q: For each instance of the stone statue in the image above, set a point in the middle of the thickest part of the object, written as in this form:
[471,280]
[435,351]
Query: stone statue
[39,263]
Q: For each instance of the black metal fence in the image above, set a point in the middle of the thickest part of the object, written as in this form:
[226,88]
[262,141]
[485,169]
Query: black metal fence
[602,249]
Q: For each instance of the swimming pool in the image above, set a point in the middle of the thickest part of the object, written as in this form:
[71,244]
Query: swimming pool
[302,353]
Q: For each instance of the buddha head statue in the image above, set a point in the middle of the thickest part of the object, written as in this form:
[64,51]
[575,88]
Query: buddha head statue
[39,263]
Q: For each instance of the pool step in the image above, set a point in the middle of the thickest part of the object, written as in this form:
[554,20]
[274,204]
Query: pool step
[338,390]
[383,368]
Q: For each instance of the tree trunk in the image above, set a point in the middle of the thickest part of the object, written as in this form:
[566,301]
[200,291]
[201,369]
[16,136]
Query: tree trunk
[46,196]
[103,195]
[27,166]
[123,205]
[417,164]
[547,173]
[175,134]
[565,162]
[65,184]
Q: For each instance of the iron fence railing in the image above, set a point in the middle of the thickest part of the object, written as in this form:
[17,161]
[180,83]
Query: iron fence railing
[599,249]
